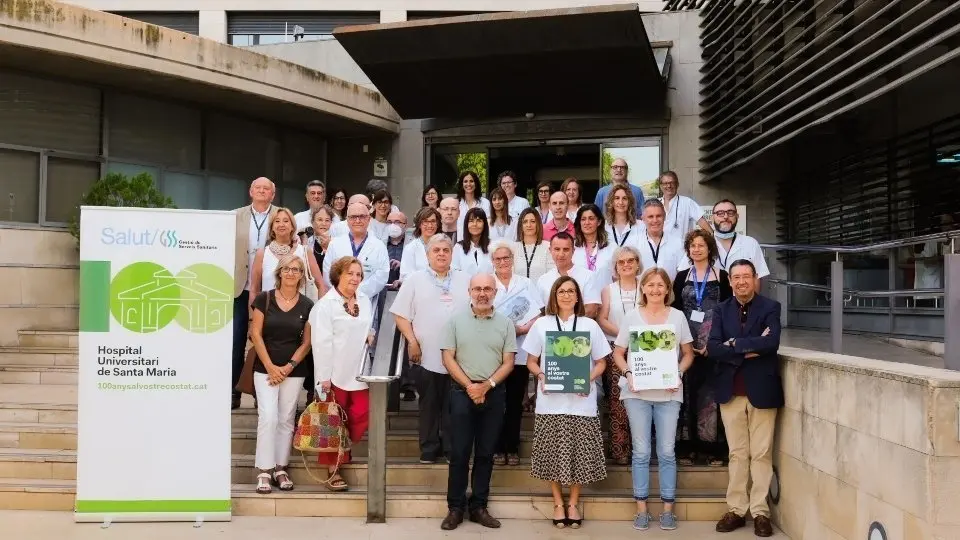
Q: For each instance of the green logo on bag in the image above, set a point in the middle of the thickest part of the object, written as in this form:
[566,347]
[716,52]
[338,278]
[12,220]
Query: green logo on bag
[145,297]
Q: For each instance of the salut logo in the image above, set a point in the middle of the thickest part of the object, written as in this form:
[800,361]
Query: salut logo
[139,237]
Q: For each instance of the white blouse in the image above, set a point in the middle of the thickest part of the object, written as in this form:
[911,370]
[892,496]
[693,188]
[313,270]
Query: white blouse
[503,233]
[532,261]
[339,339]
[268,266]
[471,262]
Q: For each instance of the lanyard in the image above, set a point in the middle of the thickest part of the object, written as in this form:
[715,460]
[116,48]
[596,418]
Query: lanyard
[529,260]
[701,287]
[724,260]
[544,217]
[444,284]
[560,328]
[259,226]
[655,252]
[617,240]
[356,249]
[623,305]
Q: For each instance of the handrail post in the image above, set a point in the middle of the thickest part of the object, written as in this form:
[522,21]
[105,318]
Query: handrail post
[836,305]
[951,310]
[377,454]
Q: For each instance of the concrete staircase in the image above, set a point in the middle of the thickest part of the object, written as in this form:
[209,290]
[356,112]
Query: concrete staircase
[38,440]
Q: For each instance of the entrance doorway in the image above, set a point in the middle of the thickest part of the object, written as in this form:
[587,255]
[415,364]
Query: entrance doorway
[554,161]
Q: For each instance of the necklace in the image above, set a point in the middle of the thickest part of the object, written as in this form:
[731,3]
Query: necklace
[279,249]
[288,300]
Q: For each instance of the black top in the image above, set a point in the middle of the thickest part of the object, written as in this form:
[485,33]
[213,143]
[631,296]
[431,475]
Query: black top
[283,332]
[682,277]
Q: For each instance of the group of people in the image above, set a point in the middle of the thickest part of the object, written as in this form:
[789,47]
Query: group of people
[480,284]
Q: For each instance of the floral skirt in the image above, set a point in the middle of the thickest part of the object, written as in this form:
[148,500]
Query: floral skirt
[567,449]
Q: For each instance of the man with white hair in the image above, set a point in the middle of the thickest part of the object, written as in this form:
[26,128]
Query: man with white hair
[427,299]
[252,233]
[360,244]
[316,196]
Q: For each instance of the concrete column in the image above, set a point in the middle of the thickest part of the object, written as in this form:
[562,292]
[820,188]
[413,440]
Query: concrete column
[393,15]
[213,25]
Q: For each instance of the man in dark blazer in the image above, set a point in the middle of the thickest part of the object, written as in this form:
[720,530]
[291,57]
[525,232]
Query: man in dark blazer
[743,341]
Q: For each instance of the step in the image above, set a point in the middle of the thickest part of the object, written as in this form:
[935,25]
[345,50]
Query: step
[535,503]
[38,374]
[48,338]
[61,465]
[38,356]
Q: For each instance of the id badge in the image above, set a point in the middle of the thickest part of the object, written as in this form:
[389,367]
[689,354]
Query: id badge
[696,316]
[446,297]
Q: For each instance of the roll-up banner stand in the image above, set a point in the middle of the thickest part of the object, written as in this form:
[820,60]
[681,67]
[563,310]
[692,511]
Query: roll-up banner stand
[156,324]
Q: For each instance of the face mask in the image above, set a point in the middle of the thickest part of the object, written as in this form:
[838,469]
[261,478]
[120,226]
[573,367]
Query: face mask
[394,231]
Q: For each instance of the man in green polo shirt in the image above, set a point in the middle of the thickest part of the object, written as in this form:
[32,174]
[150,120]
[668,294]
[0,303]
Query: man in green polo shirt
[478,347]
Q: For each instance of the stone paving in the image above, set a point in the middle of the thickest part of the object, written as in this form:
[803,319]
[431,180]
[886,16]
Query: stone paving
[858,345]
[29,525]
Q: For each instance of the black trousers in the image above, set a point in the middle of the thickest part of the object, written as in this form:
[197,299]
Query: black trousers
[241,321]
[434,389]
[516,389]
[473,429]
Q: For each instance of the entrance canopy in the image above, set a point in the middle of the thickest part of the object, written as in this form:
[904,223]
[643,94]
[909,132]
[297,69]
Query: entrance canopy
[590,60]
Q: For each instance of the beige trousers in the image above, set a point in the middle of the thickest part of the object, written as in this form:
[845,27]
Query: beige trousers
[750,437]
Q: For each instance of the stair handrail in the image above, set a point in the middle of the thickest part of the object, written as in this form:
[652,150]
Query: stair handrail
[953,236]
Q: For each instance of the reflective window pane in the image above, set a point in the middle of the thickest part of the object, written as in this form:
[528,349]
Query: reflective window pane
[67,181]
[130,170]
[186,190]
[227,193]
[293,199]
[20,178]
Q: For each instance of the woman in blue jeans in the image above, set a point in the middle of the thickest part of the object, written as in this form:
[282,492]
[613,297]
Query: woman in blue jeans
[659,406]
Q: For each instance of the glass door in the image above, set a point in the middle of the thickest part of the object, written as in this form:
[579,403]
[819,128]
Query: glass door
[644,157]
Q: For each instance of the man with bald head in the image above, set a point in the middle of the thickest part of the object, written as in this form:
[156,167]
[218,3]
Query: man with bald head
[449,216]
[618,175]
[341,228]
[478,347]
[364,246]
[252,233]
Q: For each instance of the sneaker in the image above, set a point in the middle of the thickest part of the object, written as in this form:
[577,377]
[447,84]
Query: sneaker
[427,459]
[642,521]
[668,521]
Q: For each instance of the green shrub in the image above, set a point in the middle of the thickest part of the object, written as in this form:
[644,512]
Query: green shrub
[117,189]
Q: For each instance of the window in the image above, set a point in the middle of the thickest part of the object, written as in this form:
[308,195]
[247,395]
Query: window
[226,193]
[20,178]
[67,181]
[186,190]
[264,28]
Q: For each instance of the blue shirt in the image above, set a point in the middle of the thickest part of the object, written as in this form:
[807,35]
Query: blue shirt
[601,198]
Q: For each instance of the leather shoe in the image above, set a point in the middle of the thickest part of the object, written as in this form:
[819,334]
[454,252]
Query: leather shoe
[481,516]
[452,521]
[762,526]
[730,522]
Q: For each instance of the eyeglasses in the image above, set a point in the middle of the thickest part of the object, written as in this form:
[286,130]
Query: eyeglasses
[669,184]
[339,198]
[566,292]
[487,290]
[396,222]
[290,270]
[618,167]
[430,221]
[507,182]
[382,201]
[624,262]
[361,217]
[506,258]
[545,191]
[725,213]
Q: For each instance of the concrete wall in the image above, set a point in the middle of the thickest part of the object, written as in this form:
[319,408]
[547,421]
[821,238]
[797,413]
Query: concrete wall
[865,440]
[326,56]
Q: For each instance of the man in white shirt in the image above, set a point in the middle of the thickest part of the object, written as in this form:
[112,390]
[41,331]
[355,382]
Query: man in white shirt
[508,183]
[561,249]
[360,244]
[682,212]
[426,300]
[732,246]
[449,216]
[316,197]
[341,228]
[657,248]
[253,224]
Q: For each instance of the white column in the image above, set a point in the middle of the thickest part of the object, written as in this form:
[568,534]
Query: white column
[213,25]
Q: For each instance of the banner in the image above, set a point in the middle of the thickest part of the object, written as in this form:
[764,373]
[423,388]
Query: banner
[568,362]
[156,325]
[653,357]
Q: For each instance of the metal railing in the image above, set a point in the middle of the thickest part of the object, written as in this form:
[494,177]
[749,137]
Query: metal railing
[839,295]
[379,371]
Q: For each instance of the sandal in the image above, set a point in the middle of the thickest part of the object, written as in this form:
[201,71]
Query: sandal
[263,483]
[513,460]
[499,460]
[336,484]
[716,462]
[559,523]
[688,461]
[282,480]
[574,523]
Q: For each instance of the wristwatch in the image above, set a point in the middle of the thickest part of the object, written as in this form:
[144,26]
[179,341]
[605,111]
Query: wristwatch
[292,362]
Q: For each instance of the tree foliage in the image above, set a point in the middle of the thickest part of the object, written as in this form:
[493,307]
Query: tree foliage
[476,162]
[118,190]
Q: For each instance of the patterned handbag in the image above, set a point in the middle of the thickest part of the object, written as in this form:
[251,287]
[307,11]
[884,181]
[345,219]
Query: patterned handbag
[322,428]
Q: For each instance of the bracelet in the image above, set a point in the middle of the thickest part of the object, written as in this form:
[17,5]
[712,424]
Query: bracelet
[628,373]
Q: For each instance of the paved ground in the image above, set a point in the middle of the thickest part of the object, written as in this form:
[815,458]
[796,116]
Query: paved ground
[855,345]
[27,525]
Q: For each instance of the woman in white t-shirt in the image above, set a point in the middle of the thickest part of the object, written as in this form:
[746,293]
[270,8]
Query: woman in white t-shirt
[616,301]
[658,407]
[472,254]
[470,197]
[531,255]
[567,442]
[502,225]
